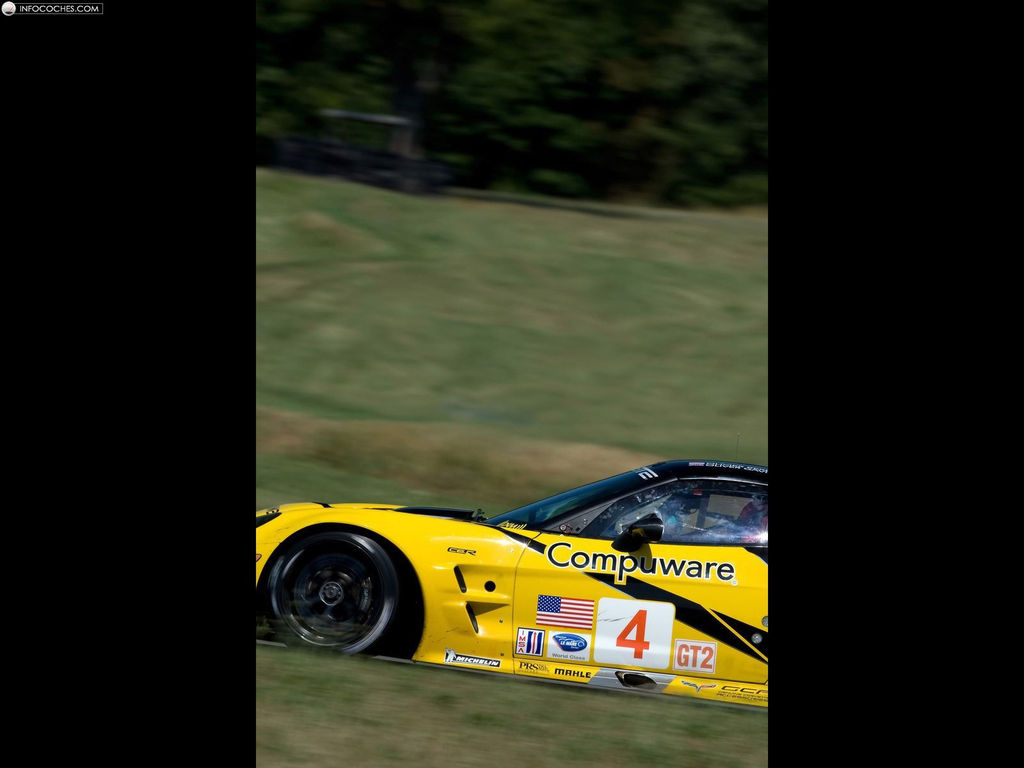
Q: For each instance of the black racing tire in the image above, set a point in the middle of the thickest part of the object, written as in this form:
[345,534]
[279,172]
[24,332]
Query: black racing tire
[334,590]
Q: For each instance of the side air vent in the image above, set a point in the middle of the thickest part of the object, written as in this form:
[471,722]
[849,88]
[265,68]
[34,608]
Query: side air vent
[458,578]
[472,618]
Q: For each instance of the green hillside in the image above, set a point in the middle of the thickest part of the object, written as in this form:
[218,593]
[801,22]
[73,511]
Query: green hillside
[484,354]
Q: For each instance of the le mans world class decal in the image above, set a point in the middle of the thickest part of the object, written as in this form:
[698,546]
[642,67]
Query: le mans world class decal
[634,633]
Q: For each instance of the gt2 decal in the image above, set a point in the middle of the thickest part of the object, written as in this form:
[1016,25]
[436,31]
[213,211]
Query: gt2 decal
[451,657]
[695,656]
[622,565]
[633,633]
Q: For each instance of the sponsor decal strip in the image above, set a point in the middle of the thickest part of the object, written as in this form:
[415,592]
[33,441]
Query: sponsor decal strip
[687,612]
[746,694]
[452,657]
[581,673]
[731,465]
[561,555]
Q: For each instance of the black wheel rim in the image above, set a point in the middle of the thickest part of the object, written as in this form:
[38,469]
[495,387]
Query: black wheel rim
[335,599]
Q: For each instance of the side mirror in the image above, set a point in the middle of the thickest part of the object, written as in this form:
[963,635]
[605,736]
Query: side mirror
[643,531]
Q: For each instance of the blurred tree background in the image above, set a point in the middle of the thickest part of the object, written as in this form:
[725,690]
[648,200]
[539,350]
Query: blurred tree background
[641,101]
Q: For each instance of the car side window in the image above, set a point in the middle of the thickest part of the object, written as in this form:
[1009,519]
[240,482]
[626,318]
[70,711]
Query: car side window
[626,511]
[693,512]
[728,514]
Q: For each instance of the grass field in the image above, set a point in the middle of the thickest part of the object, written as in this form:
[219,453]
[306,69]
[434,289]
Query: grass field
[369,713]
[467,352]
[482,354]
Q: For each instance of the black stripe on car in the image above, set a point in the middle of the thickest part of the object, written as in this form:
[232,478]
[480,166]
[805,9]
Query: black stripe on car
[534,545]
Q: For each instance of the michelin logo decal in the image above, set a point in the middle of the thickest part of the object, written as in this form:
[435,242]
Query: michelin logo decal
[451,657]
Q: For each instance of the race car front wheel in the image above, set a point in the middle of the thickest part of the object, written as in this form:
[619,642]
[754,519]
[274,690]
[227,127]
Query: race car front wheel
[335,590]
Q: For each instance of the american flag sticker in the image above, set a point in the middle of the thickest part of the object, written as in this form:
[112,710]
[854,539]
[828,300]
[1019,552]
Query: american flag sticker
[565,612]
[530,642]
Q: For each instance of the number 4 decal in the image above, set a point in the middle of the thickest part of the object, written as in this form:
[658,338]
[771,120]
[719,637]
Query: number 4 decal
[634,633]
[638,624]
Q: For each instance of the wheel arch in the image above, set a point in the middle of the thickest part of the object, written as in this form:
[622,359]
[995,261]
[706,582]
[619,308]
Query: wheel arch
[406,628]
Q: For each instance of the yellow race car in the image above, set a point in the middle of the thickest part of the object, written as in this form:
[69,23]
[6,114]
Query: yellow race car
[654,580]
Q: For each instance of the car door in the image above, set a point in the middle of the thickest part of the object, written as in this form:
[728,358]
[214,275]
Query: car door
[693,602]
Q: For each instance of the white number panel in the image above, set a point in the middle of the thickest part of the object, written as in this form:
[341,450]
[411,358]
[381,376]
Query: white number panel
[634,633]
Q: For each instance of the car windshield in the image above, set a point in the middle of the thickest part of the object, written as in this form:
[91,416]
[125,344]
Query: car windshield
[571,501]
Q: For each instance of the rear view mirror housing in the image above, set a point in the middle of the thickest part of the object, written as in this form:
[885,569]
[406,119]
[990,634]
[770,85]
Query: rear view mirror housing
[643,531]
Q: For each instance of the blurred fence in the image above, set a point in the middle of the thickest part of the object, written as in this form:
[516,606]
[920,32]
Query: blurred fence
[396,168]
